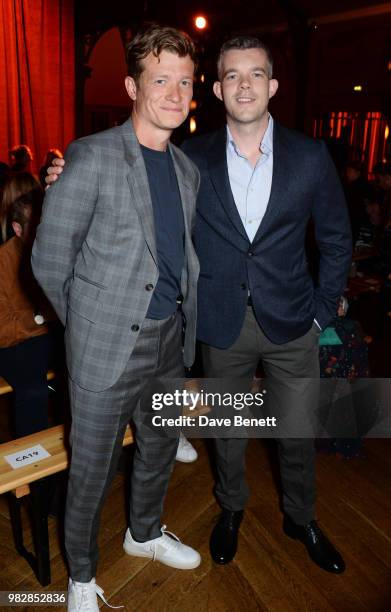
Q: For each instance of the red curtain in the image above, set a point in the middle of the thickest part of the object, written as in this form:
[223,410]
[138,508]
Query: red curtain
[37,85]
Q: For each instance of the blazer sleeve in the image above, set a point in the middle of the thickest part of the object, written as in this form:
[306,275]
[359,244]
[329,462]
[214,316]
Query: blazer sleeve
[333,237]
[67,212]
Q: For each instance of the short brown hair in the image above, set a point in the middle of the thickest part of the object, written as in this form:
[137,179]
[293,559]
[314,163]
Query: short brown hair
[18,184]
[18,210]
[243,43]
[21,154]
[155,39]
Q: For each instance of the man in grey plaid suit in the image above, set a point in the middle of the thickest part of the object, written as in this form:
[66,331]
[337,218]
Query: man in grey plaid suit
[112,253]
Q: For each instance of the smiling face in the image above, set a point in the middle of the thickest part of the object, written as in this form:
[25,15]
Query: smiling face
[245,87]
[161,96]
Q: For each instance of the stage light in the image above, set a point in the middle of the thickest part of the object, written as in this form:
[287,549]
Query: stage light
[357,88]
[193,104]
[386,132]
[193,125]
[200,22]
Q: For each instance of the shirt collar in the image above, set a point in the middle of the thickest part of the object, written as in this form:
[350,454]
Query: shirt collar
[266,145]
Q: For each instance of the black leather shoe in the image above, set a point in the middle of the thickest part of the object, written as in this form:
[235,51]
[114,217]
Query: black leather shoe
[224,539]
[319,548]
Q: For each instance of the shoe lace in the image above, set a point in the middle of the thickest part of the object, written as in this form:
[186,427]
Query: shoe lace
[314,531]
[168,542]
[231,519]
[86,597]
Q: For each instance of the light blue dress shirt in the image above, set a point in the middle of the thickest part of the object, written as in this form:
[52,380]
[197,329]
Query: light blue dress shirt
[251,186]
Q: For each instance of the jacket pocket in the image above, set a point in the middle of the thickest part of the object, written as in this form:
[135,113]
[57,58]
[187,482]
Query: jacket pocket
[83,299]
[90,282]
[84,315]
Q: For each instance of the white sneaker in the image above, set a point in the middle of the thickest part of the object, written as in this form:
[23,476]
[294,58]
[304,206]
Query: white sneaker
[166,549]
[83,596]
[186,452]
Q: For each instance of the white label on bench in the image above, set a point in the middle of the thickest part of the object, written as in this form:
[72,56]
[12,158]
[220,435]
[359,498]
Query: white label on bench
[27,456]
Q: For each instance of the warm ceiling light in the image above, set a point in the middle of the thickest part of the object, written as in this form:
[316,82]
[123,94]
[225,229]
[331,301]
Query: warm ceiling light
[357,88]
[386,132]
[202,78]
[193,104]
[193,125]
[200,22]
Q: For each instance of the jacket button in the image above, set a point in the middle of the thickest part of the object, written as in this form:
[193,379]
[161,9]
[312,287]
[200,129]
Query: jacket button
[135,328]
[243,286]
[250,253]
[149,287]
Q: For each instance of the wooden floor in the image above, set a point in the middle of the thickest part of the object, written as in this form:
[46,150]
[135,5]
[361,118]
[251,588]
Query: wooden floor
[270,572]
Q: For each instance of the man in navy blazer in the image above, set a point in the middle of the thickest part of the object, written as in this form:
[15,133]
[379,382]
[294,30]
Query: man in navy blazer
[260,185]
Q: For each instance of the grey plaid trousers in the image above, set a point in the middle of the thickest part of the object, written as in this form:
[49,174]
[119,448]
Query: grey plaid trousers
[98,425]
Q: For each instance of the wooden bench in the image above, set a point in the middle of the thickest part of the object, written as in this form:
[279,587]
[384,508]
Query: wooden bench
[30,480]
[6,388]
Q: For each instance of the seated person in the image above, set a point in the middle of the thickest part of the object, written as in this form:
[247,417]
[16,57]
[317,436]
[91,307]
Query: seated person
[358,192]
[20,158]
[15,186]
[26,341]
[346,365]
[370,228]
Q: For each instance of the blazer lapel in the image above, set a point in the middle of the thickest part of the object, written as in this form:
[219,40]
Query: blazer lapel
[279,181]
[185,189]
[218,171]
[139,186]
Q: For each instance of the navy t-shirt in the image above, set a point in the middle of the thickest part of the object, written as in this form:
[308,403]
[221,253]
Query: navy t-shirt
[169,230]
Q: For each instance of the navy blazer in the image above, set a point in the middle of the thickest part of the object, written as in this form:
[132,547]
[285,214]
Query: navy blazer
[274,266]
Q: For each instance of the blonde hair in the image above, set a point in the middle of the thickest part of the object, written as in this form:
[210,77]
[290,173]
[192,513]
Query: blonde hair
[19,184]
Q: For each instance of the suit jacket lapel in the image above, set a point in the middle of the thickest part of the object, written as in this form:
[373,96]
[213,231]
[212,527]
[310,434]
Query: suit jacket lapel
[218,171]
[279,181]
[185,189]
[139,186]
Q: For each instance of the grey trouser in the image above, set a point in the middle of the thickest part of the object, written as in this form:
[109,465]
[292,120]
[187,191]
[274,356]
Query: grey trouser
[295,359]
[98,425]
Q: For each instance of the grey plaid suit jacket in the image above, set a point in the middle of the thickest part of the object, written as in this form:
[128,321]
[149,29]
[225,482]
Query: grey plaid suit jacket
[95,252]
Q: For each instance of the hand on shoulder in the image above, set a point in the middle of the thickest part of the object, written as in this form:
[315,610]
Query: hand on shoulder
[54,171]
